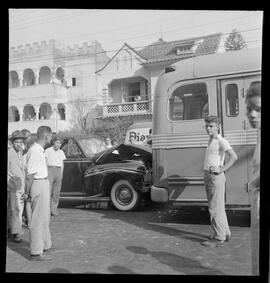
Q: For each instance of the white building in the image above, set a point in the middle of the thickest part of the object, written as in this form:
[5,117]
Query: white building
[46,78]
[133,72]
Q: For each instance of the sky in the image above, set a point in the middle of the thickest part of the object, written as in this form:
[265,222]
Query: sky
[138,28]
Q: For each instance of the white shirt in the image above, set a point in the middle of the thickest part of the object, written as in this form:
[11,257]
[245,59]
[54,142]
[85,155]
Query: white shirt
[55,157]
[36,162]
[215,152]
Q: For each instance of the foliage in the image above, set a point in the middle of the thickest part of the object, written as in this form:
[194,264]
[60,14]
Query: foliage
[115,128]
[235,41]
[92,124]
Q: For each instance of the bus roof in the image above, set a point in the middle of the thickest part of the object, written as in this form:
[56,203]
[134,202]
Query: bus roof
[218,64]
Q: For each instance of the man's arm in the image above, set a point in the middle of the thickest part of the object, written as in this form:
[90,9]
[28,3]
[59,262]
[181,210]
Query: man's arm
[232,157]
[29,182]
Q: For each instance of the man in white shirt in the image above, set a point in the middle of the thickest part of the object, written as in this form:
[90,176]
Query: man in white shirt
[38,190]
[253,106]
[215,180]
[55,161]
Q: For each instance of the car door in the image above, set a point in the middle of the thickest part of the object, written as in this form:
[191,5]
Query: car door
[74,166]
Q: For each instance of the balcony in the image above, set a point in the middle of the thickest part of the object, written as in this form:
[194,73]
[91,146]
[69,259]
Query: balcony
[38,91]
[126,109]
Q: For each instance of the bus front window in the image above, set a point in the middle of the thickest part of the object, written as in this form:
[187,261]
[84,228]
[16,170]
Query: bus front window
[189,102]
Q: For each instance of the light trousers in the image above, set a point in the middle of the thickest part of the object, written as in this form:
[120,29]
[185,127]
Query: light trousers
[215,191]
[55,178]
[40,236]
[254,199]
[16,206]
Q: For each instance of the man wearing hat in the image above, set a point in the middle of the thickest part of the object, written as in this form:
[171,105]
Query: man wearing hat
[16,184]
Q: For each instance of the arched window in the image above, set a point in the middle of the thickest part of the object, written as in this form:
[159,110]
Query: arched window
[28,77]
[13,79]
[61,111]
[45,111]
[44,75]
[29,113]
[60,74]
[13,114]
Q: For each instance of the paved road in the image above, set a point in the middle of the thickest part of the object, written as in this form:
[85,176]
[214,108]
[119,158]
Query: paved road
[154,241]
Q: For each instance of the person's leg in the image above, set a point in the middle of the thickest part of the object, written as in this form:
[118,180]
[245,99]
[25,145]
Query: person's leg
[56,191]
[255,232]
[16,208]
[46,200]
[217,207]
[40,215]
[51,178]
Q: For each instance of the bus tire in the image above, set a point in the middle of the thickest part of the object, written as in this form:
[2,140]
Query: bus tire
[124,197]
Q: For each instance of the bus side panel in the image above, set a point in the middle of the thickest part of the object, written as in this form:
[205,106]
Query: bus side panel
[160,177]
[237,177]
[185,173]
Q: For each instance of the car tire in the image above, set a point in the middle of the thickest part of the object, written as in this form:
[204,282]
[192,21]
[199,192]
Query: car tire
[123,196]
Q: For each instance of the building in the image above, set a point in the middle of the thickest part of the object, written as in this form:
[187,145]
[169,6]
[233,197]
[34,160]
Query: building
[46,80]
[127,81]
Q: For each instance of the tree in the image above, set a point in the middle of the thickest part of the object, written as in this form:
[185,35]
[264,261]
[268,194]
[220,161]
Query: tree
[235,41]
[114,128]
[82,116]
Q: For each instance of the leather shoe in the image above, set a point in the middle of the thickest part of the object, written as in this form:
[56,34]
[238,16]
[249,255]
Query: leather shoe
[214,243]
[54,213]
[40,257]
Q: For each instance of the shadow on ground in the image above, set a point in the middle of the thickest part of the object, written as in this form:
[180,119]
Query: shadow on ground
[175,262]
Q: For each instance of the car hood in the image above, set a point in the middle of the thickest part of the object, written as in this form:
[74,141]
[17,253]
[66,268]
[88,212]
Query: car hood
[127,150]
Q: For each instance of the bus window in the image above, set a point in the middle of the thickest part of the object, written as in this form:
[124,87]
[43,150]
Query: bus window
[189,102]
[232,101]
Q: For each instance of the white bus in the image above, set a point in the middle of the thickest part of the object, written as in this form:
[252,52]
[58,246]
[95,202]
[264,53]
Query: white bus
[187,92]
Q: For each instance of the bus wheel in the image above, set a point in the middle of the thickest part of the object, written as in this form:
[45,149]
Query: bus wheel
[123,196]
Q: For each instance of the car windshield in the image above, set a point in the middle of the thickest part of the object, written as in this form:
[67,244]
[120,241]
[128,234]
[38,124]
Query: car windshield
[91,146]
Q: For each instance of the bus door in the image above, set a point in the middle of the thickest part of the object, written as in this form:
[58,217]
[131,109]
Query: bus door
[188,106]
[235,129]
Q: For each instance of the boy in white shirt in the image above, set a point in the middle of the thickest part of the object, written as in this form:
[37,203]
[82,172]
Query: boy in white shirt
[215,180]
[55,161]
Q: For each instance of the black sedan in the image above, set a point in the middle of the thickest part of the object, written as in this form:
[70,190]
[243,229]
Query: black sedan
[120,174]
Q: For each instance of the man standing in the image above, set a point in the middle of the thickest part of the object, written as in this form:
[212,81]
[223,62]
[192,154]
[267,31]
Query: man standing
[54,158]
[27,207]
[215,180]
[38,189]
[253,106]
[16,185]
[108,142]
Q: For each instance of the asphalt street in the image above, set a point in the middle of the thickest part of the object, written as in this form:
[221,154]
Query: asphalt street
[159,240]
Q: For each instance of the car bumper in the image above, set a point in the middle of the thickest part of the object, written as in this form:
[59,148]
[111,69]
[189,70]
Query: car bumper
[159,194]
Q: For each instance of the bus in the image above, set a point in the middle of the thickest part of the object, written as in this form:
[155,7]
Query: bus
[186,92]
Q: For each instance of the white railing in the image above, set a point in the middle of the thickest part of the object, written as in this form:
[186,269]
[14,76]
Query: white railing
[130,108]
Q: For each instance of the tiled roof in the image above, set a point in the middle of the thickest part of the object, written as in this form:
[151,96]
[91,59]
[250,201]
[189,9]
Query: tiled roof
[163,51]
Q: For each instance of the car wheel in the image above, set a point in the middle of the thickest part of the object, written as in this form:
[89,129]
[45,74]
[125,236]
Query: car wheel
[123,196]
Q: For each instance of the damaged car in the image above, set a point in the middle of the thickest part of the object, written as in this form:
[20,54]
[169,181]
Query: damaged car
[120,175]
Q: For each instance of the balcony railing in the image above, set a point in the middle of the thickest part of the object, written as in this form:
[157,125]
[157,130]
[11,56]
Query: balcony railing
[130,108]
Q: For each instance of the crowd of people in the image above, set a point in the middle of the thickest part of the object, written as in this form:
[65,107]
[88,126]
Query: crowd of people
[34,179]
[35,176]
